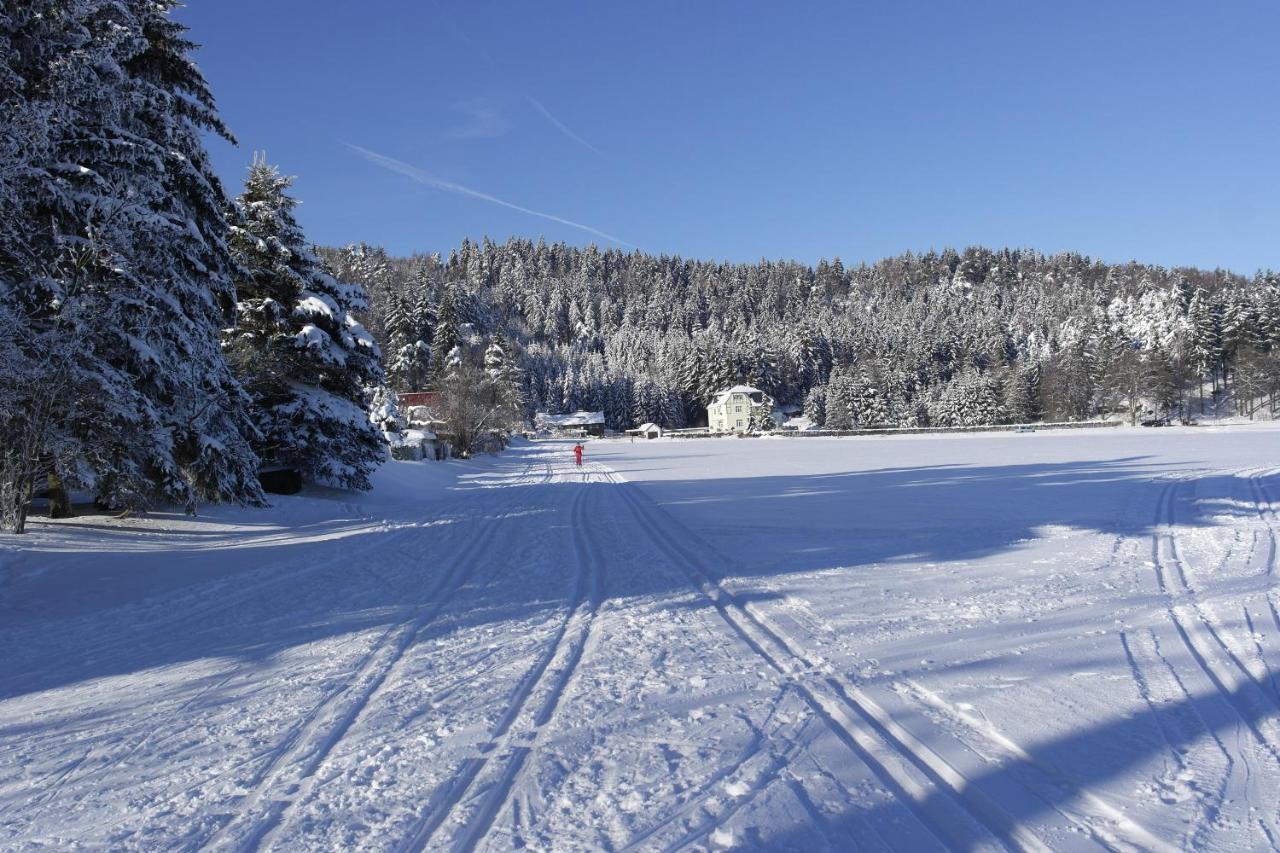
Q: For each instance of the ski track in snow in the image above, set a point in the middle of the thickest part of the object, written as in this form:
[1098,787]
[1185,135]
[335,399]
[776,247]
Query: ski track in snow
[509,744]
[294,763]
[852,717]
[1235,684]
[663,650]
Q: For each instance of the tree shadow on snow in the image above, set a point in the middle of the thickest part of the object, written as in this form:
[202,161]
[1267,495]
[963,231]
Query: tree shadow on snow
[116,612]
[1048,783]
[936,514]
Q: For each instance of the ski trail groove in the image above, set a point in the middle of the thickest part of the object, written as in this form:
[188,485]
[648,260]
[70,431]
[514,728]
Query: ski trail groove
[1233,682]
[1090,813]
[1177,755]
[591,562]
[291,769]
[779,760]
[1270,518]
[1266,512]
[83,773]
[896,756]
[569,643]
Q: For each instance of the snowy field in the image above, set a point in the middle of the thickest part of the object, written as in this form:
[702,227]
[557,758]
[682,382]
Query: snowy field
[1064,641]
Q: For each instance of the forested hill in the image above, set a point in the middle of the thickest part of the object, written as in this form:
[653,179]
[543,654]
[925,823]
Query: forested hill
[971,337]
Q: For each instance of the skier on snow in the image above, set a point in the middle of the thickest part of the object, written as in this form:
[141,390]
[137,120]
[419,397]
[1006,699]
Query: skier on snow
[577,453]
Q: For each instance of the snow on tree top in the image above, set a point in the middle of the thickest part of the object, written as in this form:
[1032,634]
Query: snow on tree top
[318,304]
[575,419]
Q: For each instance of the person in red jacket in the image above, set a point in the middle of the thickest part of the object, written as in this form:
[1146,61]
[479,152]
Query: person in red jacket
[577,453]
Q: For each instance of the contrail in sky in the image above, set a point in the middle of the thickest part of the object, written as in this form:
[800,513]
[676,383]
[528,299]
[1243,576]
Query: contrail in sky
[432,181]
[560,126]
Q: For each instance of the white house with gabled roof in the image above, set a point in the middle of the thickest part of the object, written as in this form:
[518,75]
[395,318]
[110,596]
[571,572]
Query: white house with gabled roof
[649,430]
[576,424]
[738,409]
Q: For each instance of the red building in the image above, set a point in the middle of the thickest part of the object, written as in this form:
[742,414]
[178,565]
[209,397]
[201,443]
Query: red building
[418,398]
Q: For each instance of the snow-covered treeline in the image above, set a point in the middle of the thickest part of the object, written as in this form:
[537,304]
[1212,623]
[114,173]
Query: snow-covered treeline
[125,271]
[944,338]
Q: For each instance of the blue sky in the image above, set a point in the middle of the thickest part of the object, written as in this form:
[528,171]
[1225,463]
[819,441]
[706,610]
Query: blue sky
[740,130]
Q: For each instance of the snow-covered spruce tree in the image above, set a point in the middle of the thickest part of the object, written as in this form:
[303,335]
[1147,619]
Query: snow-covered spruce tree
[384,413]
[972,399]
[841,391]
[503,367]
[672,409]
[408,360]
[815,405]
[114,271]
[645,403]
[1021,393]
[368,266]
[1205,349]
[297,348]
[617,403]
[868,404]
[447,333]
[496,362]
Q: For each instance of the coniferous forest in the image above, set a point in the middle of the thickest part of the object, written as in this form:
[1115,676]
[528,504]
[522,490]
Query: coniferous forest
[950,338]
[164,339]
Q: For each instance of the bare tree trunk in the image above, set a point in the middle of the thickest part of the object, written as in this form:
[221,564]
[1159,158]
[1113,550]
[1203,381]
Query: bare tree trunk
[19,469]
[59,500]
[22,443]
[15,492]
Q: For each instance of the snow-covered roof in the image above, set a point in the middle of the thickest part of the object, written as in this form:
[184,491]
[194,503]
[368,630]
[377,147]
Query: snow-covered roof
[575,419]
[645,429]
[736,389]
[410,437]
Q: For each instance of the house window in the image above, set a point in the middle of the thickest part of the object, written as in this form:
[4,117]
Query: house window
[737,410]
[739,423]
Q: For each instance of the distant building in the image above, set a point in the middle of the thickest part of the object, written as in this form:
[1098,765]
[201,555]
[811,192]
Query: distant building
[424,436]
[419,408]
[576,424]
[738,409]
[430,399]
[418,444]
[646,431]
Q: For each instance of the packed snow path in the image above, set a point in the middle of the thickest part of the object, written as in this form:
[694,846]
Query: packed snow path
[1048,641]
